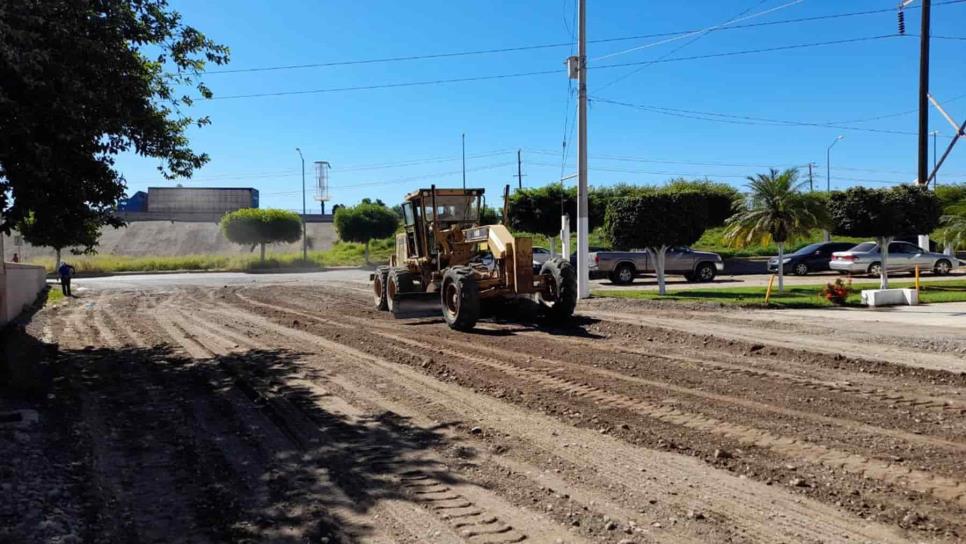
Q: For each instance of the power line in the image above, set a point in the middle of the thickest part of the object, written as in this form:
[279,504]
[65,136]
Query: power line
[548,72]
[743,119]
[429,56]
[720,26]
[390,85]
[749,51]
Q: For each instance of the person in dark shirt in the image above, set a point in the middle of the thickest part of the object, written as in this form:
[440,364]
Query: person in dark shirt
[65,272]
[16,257]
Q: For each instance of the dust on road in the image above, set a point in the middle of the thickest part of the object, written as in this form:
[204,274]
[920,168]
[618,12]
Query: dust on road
[291,413]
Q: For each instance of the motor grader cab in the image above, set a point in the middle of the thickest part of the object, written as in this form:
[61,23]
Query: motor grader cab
[446,260]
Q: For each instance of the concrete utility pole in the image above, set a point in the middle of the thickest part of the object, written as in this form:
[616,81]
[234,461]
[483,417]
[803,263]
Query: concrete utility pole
[305,246]
[924,94]
[519,170]
[583,273]
[811,186]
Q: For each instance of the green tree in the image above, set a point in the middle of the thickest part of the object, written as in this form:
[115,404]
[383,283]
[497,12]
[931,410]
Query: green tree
[656,222]
[777,211]
[59,232]
[258,227]
[723,199]
[537,209]
[365,222]
[952,231]
[883,214]
[80,83]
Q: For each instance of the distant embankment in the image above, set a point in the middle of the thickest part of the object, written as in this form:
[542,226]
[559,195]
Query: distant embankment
[142,238]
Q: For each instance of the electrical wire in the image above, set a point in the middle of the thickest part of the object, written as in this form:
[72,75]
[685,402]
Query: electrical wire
[450,54]
[743,119]
[719,26]
[389,85]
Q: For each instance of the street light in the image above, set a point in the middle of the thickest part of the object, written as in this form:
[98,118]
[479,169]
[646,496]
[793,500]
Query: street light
[305,247]
[828,166]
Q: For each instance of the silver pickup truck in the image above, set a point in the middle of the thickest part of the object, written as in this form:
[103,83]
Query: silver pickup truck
[621,267]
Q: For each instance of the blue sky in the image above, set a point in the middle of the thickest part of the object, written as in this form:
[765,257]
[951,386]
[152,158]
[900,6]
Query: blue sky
[383,143]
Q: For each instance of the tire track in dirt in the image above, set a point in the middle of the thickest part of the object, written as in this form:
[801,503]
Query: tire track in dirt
[135,465]
[746,501]
[539,476]
[810,377]
[894,355]
[944,488]
[468,510]
[736,367]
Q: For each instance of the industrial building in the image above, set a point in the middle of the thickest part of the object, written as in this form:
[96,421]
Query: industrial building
[201,199]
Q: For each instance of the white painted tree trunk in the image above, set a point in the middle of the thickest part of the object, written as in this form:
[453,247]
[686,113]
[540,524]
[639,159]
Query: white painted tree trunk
[57,262]
[659,268]
[781,267]
[553,246]
[884,261]
[262,251]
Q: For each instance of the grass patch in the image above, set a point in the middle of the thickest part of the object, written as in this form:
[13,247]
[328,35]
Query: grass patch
[340,254]
[54,294]
[795,296]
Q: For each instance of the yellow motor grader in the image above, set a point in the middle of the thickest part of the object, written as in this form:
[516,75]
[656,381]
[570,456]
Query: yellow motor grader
[446,260]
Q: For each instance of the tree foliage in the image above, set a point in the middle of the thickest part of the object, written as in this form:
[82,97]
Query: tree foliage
[656,219]
[723,200]
[884,214]
[365,222]
[253,226]
[59,232]
[896,211]
[777,211]
[538,209]
[81,82]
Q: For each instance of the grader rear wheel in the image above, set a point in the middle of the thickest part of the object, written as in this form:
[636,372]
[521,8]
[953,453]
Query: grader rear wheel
[460,298]
[559,298]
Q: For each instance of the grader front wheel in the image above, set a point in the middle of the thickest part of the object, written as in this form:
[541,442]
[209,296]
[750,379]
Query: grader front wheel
[460,298]
[559,296]
[379,281]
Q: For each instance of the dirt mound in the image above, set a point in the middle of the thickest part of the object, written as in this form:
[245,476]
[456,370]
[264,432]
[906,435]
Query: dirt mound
[167,238]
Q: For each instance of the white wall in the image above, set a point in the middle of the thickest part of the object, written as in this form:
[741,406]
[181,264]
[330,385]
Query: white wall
[21,285]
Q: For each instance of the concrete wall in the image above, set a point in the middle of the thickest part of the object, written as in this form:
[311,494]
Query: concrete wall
[21,285]
[165,238]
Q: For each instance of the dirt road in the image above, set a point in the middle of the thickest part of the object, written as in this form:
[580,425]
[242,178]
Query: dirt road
[292,413]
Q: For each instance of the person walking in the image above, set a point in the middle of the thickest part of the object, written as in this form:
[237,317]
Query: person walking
[65,272]
[16,258]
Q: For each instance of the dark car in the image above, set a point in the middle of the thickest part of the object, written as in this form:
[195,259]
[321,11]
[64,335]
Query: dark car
[811,258]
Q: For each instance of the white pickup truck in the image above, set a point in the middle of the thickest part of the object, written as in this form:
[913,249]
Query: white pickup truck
[621,267]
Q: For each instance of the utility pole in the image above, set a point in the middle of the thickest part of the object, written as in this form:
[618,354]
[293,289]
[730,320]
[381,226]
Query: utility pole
[811,186]
[305,246]
[464,161]
[583,273]
[519,170]
[924,94]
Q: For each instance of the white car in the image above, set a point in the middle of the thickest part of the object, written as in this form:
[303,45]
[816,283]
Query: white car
[540,256]
[903,257]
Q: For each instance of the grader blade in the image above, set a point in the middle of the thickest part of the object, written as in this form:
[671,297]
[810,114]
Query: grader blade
[415,305]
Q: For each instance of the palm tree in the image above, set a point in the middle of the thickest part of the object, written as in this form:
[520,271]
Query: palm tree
[953,229]
[777,211]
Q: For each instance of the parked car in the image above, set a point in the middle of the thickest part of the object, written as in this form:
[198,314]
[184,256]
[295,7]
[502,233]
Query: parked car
[903,257]
[540,256]
[811,258]
[621,267]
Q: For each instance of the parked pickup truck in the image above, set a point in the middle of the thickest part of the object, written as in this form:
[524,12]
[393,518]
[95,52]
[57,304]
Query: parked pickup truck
[621,267]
